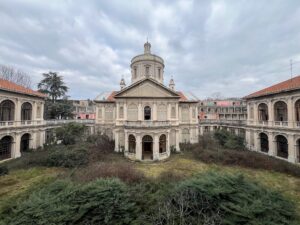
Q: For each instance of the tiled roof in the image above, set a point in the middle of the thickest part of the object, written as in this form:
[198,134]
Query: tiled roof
[111,97]
[182,96]
[291,84]
[10,86]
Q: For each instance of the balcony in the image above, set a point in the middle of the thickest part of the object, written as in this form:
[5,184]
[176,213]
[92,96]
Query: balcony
[24,123]
[147,124]
[223,122]
[281,123]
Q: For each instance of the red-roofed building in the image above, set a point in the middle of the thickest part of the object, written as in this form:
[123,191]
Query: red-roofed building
[21,119]
[273,125]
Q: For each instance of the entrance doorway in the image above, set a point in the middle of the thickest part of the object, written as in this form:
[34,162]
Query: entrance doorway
[25,140]
[147,147]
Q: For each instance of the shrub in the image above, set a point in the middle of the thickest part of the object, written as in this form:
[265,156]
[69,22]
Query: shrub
[229,140]
[3,170]
[62,202]
[102,142]
[124,171]
[223,199]
[71,133]
[68,157]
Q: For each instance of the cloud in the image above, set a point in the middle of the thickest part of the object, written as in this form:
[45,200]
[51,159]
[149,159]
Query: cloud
[232,47]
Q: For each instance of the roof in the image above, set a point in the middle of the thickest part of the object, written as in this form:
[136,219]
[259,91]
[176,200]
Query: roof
[288,85]
[13,87]
[106,96]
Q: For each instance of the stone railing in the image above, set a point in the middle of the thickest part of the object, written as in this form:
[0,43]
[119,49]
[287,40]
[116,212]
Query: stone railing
[24,123]
[223,122]
[147,123]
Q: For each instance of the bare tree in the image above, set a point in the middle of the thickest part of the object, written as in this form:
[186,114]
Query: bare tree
[14,75]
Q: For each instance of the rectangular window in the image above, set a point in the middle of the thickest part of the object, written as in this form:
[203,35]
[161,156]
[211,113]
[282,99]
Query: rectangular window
[100,113]
[159,75]
[147,70]
[121,112]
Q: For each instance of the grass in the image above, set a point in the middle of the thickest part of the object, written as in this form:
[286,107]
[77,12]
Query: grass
[20,182]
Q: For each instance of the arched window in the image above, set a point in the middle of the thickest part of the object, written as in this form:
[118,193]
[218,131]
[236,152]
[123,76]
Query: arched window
[297,110]
[6,147]
[280,110]
[162,143]
[282,146]
[264,142]
[132,112]
[147,113]
[26,111]
[263,112]
[185,135]
[162,112]
[132,143]
[7,110]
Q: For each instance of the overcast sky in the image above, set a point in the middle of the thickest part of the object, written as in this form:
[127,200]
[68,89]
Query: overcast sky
[233,47]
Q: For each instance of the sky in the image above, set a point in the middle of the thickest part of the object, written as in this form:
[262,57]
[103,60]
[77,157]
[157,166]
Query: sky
[232,47]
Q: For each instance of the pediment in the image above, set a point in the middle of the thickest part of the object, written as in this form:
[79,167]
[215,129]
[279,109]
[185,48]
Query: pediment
[147,88]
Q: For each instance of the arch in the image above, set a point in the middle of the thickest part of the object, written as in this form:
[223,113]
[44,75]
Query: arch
[282,146]
[147,113]
[147,142]
[26,111]
[297,110]
[7,110]
[280,111]
[131,143]
[162,143]
[6,147]
[162,112]
[132,112]
[185,135]
[263,114]
[25,142]
[264,142]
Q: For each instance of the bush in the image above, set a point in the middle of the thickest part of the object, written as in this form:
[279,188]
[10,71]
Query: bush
[124,171]
[68,157]
[71,133]
[228,140]
[62,202]
[3,170]
[223,199]
[102,142]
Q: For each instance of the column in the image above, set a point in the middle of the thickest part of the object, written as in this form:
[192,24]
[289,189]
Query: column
[126,141]
[255,113]
[18,110]
[248,139]
[117,111]
[138,147]
[42,111]
[291,149]
[154,110]
[32,143]
[290,108]
[177,141]
[272,145]
[125,111]
[16,148]
[201,130]
[116,141]
[168,143]
[34,109]
[156,147]
[43,138]
[169,112]
[256,141]
[271,113]
[140,112]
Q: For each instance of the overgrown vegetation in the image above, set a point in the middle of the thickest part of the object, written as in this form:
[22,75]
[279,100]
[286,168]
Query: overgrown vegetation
[3,170]
[212,149]
[71,133]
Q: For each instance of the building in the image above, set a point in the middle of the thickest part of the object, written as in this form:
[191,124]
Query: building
[83,109]
[226,109]
[21,119]
[274,120]
[147,119]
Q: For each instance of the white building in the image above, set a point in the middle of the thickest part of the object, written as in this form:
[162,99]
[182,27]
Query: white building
[147,119]
[21,119]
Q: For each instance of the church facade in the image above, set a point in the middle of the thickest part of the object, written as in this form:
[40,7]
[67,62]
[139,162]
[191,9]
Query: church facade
[147,119]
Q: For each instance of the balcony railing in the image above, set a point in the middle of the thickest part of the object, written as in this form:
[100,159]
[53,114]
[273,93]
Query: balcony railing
[147,123]
[281,123]
[225,122]
[25,123]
